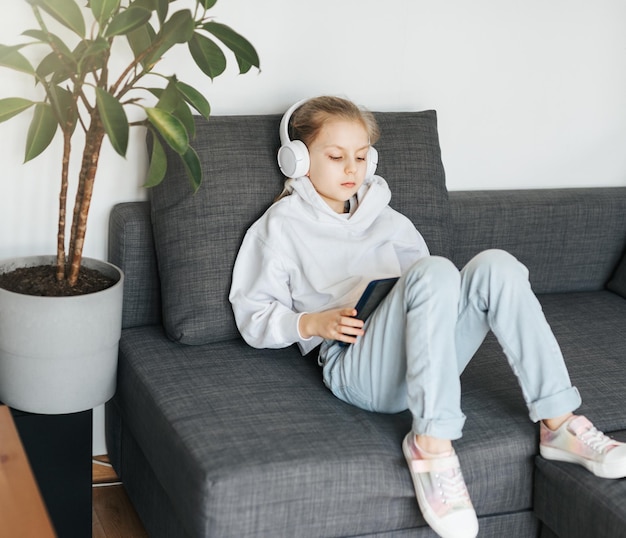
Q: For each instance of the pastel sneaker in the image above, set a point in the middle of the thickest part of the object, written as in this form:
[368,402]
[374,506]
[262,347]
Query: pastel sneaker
[441,492]
[578,441]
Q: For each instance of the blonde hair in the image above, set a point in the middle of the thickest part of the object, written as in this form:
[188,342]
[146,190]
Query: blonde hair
[308,119]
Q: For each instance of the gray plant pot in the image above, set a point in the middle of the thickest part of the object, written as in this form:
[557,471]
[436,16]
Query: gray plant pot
[59,354]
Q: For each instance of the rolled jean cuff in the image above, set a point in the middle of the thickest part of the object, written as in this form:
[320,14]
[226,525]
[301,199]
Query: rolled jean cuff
[441,428]
[556,405]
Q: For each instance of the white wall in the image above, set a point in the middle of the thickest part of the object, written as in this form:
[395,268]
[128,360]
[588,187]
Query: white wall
[529,94]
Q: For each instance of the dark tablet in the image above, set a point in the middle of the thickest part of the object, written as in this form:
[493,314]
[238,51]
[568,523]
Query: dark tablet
[375,292]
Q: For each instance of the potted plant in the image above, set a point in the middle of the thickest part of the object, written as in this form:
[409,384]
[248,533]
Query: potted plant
[85,99]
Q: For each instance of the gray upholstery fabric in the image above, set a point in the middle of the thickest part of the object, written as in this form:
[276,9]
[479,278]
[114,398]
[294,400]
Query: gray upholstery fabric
[213,398]
[617,284]
[546,532]
[590,330]
[130,230]
[160,520]
[575,504]
[151,501]
[155,508]
[570,239]
[311,454]
[197,236]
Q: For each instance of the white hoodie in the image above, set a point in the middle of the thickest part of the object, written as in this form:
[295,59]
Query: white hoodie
[301,256]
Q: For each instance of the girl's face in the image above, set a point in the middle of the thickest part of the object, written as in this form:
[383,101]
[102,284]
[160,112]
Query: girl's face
[338,161]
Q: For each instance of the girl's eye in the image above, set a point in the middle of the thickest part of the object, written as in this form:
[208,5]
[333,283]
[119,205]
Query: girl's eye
[360,158]
[334,158]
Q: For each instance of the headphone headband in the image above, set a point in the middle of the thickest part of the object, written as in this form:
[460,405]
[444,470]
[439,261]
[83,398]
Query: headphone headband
[284,122]
[293,155]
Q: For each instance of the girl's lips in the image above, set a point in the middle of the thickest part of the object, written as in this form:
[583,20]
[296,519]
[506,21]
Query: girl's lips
[348,184]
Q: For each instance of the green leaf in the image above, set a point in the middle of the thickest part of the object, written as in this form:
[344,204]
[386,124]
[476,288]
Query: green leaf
[162,9]
[103,9]
[207,4]
[194,98]
[170,128]
[11,57]
[67,12]
[147,4]
[96,46]
[113,119]
[91,55]
[160,6]
[127,21]
[178,29]
[55,42]
[41,131]
[169,98]
[52,64]
[171,101]
[182,112]
[157,92]
[12,106]
[244,51]
[193,168]
[64,107]
[141,40]
[158,163]
[207,55]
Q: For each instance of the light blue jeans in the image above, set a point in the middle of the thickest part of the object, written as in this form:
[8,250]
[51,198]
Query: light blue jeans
[422,336]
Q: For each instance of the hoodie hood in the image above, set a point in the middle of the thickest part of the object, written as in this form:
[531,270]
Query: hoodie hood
[373,197]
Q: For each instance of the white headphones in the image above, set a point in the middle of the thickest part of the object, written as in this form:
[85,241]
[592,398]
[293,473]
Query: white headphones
[293,155]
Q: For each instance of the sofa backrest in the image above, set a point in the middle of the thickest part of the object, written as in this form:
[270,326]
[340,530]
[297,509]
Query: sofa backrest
[570,239]
[197,236]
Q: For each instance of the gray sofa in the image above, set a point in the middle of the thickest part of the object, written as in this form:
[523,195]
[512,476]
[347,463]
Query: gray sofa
[215,439]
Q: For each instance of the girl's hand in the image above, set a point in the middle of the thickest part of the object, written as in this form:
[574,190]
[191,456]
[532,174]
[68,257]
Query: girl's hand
[338,324]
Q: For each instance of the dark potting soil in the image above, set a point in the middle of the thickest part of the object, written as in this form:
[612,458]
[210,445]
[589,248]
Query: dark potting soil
[41,281]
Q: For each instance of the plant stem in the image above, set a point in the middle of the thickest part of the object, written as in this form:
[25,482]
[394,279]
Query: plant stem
[89,166]
[67,147]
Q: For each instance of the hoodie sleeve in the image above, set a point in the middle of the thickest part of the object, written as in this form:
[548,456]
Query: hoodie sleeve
[261,298]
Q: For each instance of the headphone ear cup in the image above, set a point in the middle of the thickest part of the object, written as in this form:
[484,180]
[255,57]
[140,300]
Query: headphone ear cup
[293,159]
[372,162]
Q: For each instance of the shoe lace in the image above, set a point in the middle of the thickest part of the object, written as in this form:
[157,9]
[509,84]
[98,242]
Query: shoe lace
[596,440]
[452,487]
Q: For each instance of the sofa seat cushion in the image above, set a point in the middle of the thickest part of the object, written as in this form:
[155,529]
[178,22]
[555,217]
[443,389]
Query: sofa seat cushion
[575,504]
[190,408]
[197,236]
[245,440]
[590,329]
[568,499]
[249,442]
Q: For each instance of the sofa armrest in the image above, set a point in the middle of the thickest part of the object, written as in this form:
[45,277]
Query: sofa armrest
[131,248]
[570,239]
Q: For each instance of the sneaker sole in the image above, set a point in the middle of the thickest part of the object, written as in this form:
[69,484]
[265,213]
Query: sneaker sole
[431,518]
[598,469]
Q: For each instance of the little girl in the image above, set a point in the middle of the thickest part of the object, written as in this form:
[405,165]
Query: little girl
[303,265]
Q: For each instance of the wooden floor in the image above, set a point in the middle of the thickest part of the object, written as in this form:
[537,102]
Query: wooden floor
[113,514]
